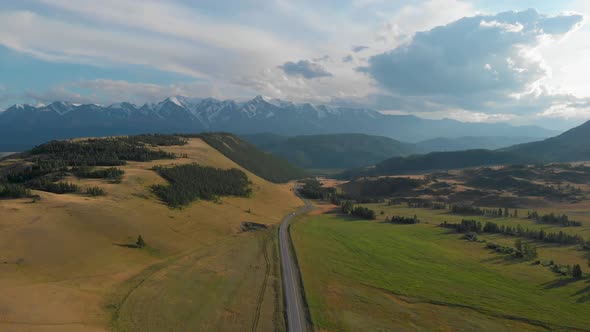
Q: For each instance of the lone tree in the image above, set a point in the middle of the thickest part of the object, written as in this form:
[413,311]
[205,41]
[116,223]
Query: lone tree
[577,271]
[518,245]
[140,242]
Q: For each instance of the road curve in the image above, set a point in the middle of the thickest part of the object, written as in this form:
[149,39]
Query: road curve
[290,273]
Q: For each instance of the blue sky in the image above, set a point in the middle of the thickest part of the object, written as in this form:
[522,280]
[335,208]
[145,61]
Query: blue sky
[461,59]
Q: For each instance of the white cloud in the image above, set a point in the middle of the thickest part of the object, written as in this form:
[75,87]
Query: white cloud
[507,27]
[105,91]
[514,65]
[402,23]
[471,62]
[579,109]
[459,115]
[178,21]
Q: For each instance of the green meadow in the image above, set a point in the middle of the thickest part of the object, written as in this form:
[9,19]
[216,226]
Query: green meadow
[371,275]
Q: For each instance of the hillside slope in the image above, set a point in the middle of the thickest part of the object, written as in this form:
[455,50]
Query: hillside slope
[331,151]
[265,165]
[573,145]
[70,266]
[436,161]
[442,144]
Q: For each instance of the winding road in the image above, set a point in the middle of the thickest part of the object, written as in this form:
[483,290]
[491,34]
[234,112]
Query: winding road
[290,273]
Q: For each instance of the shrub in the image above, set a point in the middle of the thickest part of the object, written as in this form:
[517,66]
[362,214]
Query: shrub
[95,191]
[140,243]
[471,236]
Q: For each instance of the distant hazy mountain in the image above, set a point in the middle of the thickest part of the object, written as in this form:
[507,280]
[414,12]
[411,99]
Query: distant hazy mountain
[331,151]
[573,145]
[22,126]
[470,143]
[435,161]
[4,154]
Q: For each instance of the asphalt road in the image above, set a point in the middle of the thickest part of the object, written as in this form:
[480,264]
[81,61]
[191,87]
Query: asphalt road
[291,289]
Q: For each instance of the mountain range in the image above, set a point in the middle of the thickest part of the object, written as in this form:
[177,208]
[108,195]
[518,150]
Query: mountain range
[572,145]
[23,126]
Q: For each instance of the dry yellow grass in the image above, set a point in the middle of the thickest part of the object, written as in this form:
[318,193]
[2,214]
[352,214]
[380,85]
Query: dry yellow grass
[65,272]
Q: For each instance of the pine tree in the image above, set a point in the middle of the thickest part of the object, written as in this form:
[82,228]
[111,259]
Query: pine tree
[577,271]
[140,242]
[518,245]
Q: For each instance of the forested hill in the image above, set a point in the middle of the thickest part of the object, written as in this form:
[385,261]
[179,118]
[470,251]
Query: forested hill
[573,145]
[442,144]
[335,151]
[263,164]
[436,161]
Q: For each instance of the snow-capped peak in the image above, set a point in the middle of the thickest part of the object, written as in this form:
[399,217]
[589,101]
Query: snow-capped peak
[175,101]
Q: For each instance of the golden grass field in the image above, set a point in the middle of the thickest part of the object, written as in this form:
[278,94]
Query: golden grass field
[64,268]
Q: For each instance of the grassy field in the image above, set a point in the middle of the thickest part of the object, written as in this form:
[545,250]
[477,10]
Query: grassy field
[369,275]
[67,267]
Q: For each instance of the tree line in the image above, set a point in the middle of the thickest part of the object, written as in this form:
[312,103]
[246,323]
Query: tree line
[113,151]
[424,205]
[403,220]
[518,230]
[474,210]
[12,190]
[156,139]
[553,219]
[187,183]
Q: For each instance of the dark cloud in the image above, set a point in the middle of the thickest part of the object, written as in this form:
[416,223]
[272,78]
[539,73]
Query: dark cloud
[359,48]
[475,58]
[347,58]
[305,68]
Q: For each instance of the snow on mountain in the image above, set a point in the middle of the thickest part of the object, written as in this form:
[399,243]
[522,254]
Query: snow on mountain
[260,114]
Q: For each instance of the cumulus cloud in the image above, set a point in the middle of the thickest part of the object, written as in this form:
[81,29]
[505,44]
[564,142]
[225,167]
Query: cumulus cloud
[572,109]
[347,58]
[105,91]
[460,115]
[305,68]
[483,55]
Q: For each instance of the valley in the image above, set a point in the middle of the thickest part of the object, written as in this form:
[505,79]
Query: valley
[294,166]
[181,232]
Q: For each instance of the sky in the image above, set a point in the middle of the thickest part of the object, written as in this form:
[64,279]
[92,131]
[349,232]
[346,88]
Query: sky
[516,61]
